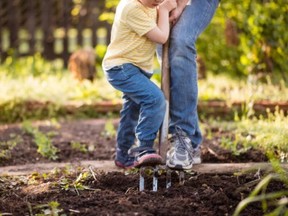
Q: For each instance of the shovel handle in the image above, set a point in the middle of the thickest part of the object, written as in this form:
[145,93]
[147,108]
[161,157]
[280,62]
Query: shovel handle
[165,87]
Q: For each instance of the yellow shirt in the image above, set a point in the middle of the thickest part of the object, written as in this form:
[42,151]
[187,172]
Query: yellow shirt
[128,41]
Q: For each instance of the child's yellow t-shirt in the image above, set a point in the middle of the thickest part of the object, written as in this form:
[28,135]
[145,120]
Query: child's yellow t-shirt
[128,41]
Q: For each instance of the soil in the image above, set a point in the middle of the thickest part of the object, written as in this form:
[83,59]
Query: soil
[95,192]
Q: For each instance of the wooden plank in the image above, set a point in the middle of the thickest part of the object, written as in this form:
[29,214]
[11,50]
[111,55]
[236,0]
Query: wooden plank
[93,16]
[31,25]
[66,7]
[47,28]
[13,23]
[2,11]
[80,26]
[108,166]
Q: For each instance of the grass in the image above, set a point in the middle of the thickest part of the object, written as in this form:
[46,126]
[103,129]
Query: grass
[268,134]
[33,78]
[56,89]
[225,88]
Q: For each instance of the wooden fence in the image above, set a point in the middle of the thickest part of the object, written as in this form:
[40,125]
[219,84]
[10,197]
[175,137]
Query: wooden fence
[54,28]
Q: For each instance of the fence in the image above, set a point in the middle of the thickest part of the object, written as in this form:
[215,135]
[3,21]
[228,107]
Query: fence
[54,28]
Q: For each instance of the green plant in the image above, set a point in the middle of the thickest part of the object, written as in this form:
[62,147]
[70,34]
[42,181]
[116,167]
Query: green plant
[51,209]
[35,66]
[109,130]
[44,143]
[79,147]
[266,133]
[259,38]
[279,199]
[77,184]
[7,146]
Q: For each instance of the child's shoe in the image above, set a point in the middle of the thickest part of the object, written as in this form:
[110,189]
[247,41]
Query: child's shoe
[124,160]
[146,157]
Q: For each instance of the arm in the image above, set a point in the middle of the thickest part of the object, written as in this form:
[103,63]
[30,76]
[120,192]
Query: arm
[160,33]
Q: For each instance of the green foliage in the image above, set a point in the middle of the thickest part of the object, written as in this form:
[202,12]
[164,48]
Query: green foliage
[7,146]
[79,147]
[75,184]
[34,65]
[109,130]
[21,110]
[273,203]
[44,143]
[277,198]
[108,14]
[51,209]
[268,134]
[100,52]
[260,38]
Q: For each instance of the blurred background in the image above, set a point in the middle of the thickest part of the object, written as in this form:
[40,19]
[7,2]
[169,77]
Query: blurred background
[51,53]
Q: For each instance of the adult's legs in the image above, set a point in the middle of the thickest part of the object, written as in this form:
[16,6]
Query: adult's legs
[184,78]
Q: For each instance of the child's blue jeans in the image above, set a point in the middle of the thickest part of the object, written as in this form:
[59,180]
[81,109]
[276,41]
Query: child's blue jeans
[143,106]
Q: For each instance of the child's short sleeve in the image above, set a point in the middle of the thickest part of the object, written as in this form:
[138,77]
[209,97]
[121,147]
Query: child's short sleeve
[140,21]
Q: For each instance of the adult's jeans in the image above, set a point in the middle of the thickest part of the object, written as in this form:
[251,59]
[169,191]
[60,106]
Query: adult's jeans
[184,77]
[143,106]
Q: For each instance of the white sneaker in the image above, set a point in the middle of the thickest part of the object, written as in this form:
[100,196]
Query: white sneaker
[182,155]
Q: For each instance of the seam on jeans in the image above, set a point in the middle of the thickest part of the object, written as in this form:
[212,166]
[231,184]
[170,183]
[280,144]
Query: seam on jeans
[205,15]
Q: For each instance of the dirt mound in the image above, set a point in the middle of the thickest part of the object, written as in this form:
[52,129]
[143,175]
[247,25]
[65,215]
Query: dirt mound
[116,193]
[78,192]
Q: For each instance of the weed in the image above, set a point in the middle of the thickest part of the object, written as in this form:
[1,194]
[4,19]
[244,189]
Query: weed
[66,183]
[7,146]
[278,199]
[52,209]
[268,134]
[79,147]
[109,130]
[43,142]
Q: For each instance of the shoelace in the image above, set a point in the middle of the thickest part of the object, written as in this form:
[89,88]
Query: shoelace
[180,135]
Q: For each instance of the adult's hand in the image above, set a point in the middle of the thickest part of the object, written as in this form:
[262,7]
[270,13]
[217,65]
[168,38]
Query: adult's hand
[176,13]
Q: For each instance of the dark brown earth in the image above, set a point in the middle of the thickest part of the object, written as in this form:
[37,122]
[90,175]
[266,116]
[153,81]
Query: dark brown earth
[93,192]
[98,139]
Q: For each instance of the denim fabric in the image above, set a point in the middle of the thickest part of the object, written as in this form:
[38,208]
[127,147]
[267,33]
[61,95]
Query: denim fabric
[184,77]
[143,106]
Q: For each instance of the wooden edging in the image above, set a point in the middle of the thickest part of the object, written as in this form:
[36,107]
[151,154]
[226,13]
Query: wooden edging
[208,107]
[108,166]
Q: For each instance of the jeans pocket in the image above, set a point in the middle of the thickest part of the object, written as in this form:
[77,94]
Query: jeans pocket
[116,73]
[121,72]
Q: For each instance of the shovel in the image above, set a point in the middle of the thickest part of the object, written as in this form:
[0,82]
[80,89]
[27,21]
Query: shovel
[163,133]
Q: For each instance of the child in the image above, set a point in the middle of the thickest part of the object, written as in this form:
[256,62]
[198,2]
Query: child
[138,26]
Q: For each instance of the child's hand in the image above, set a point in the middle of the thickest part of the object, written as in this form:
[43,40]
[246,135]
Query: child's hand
[174,15]
[168,5]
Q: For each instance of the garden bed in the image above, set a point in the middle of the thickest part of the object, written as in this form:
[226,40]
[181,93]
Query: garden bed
[79,190]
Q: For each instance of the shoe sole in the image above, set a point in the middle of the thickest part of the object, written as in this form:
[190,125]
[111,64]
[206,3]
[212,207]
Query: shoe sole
[122,166]
[149,160]
[197,161]
[179,167]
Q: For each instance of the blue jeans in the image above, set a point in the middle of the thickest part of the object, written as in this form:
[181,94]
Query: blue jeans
[143,106]
[184,77]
